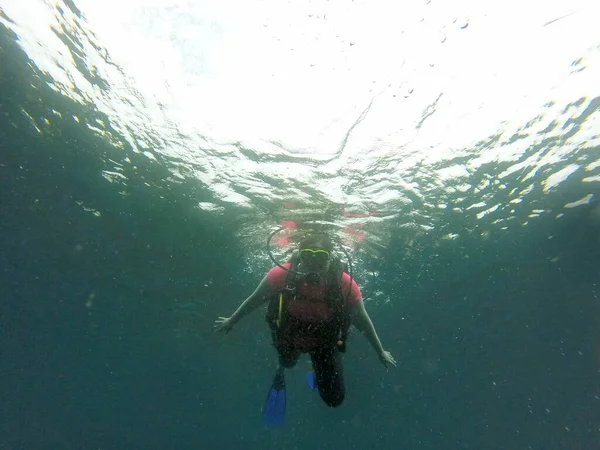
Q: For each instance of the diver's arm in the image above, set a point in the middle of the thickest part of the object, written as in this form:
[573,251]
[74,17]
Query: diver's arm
[362,321]
[258,298]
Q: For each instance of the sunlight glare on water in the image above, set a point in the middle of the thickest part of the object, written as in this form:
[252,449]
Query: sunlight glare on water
[411,109]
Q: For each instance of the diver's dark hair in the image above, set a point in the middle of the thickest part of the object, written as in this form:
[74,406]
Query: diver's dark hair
[317,241]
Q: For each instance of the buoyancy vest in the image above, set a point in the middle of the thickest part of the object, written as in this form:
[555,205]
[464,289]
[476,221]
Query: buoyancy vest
[332,331]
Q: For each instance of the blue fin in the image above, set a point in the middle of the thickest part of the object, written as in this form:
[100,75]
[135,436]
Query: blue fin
[274,412]
[310,379]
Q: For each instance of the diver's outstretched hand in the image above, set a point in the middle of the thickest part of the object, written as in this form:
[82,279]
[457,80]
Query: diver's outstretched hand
[387,359]
[224,324]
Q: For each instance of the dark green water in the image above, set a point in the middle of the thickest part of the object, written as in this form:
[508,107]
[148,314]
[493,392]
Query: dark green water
[106,319]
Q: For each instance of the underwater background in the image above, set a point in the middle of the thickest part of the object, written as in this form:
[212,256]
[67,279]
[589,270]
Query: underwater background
[137,192]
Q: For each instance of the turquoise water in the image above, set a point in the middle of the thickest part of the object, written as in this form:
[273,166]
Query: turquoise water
[135,210]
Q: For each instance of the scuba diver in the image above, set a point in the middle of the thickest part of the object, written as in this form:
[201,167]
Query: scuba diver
[312,301]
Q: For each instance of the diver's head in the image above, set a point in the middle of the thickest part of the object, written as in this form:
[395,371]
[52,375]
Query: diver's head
[315,257]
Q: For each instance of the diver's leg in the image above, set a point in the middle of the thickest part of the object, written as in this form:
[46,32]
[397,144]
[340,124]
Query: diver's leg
[329,376]
[288,354]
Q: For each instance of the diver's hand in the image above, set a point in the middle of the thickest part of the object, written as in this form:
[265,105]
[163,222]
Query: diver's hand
[224,324]
[387,359]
